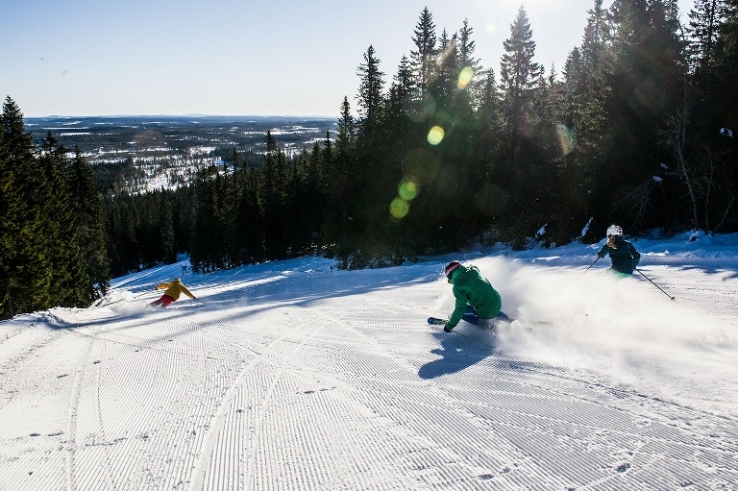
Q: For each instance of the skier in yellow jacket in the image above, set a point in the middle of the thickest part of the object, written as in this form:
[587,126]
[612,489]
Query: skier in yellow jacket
[172,293]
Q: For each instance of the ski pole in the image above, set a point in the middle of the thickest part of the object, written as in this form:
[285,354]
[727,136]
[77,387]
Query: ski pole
[654,284]
[144,293]
[598,258]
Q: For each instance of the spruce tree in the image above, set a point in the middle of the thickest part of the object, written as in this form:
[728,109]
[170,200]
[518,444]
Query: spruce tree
[646,76]
[726,67]
[89,223]
[69,279]
[518,75]
[422,58]
[272,200]
[371,168]
[369,98]
[705,20]
[339,185]
[26,269]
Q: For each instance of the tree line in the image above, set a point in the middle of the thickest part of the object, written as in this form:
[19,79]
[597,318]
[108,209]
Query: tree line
[637,129]
[52,237]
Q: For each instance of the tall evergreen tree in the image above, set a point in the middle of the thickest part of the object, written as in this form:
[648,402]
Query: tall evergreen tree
[705,20]
[60,240]
[647,80]
[467,46]
[372,170]
[13,215]
[273,200]
[467,61]
[340,185]
[422,58]
[346,128]
[89,223]
[518,76]
[369,98]
[26,269]
[726,66]
[445,83]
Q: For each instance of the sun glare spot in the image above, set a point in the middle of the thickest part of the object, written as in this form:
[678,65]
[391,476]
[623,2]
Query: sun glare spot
[435,135]
[399,208]
[465,77]
[567,141]
[408,189]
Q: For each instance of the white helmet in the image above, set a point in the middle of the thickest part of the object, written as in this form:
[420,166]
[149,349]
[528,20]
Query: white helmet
[614,230]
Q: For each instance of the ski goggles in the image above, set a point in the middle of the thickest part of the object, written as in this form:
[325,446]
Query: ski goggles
[450,271]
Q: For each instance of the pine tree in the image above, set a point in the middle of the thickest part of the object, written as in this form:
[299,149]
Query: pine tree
[272,200]
[445,85]
[705,20]
[13,214]
[518,75]
[90,229]
[339,184]
[646,76]
[467,61]
[593,40]
[67,262]
[726,67]
[26,270]
[369,98]
[588,126]
[490,198]
[422,58]
[467,46]
[373,170]
[346,128]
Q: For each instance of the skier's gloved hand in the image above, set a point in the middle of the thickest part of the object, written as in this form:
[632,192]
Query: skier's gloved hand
[447,329]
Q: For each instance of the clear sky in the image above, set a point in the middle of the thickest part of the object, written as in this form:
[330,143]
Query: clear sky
[240,57]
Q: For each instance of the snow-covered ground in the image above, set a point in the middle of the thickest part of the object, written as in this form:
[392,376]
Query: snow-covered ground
[292,375]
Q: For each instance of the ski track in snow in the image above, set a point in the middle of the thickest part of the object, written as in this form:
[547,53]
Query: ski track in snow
[326,380]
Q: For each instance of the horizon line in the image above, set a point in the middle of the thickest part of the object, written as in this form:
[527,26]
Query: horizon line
[194,115]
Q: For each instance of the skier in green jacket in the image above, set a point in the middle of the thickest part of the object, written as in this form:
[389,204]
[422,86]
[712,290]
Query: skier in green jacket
[476,299]
[623,254]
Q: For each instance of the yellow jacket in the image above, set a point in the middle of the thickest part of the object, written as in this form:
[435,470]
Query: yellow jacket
[175,289]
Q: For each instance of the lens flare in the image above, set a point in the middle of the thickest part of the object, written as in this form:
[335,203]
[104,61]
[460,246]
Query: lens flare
[567,139]
[435,135]
[408,189]
[465,77]
[399,208]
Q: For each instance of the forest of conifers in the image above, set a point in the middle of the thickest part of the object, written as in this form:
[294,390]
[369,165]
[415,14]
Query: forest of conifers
[636,129]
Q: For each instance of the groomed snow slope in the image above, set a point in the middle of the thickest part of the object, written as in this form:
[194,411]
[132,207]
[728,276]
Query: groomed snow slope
[295,376]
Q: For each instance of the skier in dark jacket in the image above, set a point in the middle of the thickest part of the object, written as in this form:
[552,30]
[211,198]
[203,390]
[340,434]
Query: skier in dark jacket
[623,254]
[475,297]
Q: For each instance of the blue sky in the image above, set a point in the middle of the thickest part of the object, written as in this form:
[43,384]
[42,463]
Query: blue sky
[239,57]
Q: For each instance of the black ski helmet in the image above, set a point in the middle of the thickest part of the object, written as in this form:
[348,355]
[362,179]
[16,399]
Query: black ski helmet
[450,268]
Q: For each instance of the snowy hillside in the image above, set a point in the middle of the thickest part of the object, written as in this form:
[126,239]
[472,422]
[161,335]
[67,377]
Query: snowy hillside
[295,376]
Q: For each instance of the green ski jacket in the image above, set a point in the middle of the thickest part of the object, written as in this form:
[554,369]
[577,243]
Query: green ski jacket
[471,288]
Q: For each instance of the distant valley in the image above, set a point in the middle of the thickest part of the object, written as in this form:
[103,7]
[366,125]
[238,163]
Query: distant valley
[165,151]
